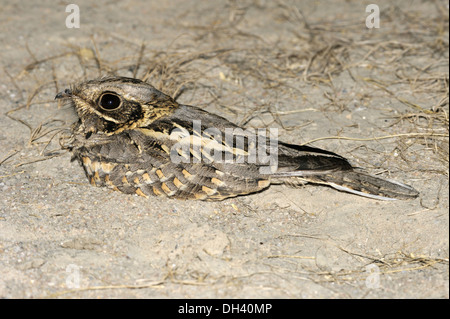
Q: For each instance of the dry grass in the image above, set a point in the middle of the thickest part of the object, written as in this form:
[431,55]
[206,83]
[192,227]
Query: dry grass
[398,262]
[226,63]
[227,67]
[246,75]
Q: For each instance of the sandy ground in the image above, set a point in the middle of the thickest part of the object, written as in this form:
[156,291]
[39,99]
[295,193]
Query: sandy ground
[310,68]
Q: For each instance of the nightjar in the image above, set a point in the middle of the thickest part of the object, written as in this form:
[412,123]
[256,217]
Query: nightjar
[135,139]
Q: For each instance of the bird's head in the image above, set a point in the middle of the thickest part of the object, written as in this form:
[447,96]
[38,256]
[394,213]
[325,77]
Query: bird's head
[114,104]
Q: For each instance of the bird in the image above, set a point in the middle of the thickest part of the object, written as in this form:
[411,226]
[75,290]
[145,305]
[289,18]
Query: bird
[133,138]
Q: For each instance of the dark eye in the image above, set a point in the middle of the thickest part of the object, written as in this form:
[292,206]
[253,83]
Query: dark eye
[110,101]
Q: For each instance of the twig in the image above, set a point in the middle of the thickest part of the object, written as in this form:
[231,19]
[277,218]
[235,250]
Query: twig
[377,138]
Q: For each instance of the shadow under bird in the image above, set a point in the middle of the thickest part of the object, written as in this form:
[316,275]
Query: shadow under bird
[129,133]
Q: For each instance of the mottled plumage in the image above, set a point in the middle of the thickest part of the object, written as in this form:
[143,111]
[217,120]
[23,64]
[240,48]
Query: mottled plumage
[127,136]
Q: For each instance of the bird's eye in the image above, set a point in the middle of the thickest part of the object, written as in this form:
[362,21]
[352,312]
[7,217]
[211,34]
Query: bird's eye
[110,102]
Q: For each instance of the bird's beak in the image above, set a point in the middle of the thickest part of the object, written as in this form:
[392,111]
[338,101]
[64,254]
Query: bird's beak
[66,94]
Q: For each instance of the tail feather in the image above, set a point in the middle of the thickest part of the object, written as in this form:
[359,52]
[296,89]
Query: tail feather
[356,182]
[304,164]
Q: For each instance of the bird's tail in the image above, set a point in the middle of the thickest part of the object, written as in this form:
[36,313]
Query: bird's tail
[356,182]
[304,164]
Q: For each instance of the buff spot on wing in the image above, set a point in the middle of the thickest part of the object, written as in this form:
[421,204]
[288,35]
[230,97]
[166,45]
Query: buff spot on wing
[147,178]
[177,183]
[160,174]
[217,181]
[208,190]
[107,167]
[86,161]
[109,183]
[200,196]
[186,174]
[156,191]
[263,183]
[167,190]
[141,193]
